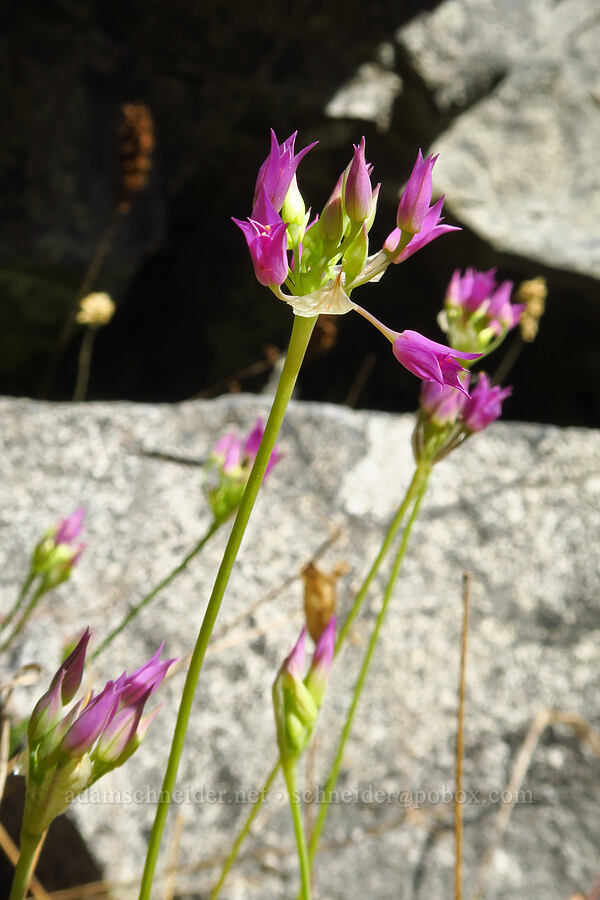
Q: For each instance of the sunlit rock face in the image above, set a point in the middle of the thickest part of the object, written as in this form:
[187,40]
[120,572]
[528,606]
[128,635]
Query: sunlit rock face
[517,505]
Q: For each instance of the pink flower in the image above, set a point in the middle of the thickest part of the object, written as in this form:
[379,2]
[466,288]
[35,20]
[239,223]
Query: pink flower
[485,404]
[416,197]
[293,664]
[228,452]
[71,669]
[443,405]
[276,173]
[69,529]
[503,314]
[471,290]
[477,293]
[89,724]
[253,442]
[429,360]
[430,230]
[320,667]
[357,190]
[266,236]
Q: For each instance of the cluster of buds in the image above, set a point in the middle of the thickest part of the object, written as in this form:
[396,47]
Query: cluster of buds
[321,263]
[477,312]
[55,556]
[69,750]
[448,416]
[297,698]
[229,466]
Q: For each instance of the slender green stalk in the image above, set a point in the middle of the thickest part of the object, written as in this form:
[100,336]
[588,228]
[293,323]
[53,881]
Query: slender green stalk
[214,527]
[84,363]
[387,543]
[245,830]
[290,773]
[342,635]
[335,768]
[19,601]
[299,339]
[41,590]
[25,865]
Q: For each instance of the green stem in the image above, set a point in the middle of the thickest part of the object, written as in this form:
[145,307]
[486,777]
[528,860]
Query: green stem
[216,524]
[21,623]
[25,865]
[245,830]
[290,774]
[19,601]
[387,542]
[423,477]
[299,339]
[342,635]
[84,363]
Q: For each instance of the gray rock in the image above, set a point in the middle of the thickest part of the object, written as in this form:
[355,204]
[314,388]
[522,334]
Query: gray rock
[518,506]
[370,94]
[517,166]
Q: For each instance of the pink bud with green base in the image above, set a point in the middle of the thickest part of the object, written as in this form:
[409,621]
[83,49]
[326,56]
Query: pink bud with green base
[87,728]
[47,712]
[357,188]
[72,669]
[484,405]
[318,674]
[69,529]
[443,405]
[276,173]
[416,197]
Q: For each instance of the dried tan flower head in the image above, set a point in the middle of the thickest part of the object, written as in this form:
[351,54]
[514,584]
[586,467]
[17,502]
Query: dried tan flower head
[533,294]
[95,310]
[320,596]
[137,143]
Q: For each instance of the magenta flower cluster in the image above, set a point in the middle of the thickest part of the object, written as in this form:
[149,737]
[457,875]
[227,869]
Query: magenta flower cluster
[235,454]
[478,310]
[322,263]
[70,749]
[59,550]
[446,405]
[229,466]
[108,726]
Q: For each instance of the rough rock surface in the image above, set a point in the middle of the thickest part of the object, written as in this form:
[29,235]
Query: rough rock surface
[518,506]
[517,165]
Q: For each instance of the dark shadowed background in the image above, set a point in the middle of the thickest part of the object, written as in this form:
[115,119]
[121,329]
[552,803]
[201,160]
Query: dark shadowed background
[497,92]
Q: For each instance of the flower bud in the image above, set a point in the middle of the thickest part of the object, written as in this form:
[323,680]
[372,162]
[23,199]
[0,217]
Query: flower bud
[293,210]
[316,680]
[355,256]
[332,218]
[442,405]
[88,726]
[294,707]
[484,405]
[373,207]
[71,669]
[357,188]
[416,197]
[47,712]
[118,734]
